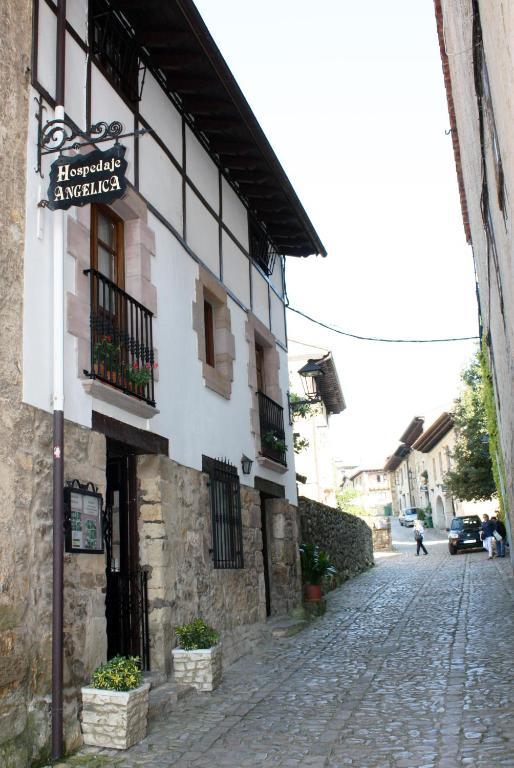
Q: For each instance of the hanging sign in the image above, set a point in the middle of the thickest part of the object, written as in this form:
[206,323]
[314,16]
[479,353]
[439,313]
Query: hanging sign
[98,177]
[83,520]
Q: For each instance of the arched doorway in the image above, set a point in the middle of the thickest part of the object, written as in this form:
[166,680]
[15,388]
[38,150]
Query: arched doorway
[440,519]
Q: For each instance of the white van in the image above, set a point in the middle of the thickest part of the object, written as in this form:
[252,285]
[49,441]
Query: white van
[409,515]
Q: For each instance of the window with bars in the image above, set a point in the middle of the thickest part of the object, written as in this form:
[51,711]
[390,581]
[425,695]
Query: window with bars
[261,252]
[114,48]
[227,529]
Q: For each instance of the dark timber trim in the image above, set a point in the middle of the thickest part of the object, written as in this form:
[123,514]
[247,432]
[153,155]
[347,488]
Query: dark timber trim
[139,439]
[269,487]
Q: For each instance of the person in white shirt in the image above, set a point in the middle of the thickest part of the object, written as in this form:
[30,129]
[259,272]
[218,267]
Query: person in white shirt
[419,532]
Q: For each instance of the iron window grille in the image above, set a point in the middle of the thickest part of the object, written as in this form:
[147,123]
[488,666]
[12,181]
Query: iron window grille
[121,339]
[227,529]
[271,418]
[114,49]
[261,250]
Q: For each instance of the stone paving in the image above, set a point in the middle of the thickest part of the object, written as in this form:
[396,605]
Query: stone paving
[409,668]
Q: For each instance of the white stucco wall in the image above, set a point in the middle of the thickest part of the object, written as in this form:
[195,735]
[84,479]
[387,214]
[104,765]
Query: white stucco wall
[194,418]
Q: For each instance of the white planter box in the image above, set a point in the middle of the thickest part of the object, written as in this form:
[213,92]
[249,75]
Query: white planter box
[201,669]
[114,719]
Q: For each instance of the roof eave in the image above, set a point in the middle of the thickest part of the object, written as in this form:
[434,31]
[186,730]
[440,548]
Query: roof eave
[206,41]
[453,121]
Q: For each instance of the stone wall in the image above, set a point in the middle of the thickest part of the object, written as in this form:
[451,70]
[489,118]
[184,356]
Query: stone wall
[381,533]
[345,537]
[17,672]
[26,584]
[285,570]
[497,308]
[175,544]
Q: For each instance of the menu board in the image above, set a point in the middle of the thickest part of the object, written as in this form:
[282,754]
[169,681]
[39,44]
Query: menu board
[83,516]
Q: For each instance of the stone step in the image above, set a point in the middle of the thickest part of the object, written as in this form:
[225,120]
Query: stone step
[155,678]
[287,627]
[162,699]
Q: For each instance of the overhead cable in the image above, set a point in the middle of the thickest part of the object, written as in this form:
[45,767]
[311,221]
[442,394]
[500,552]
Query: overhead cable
[378,338]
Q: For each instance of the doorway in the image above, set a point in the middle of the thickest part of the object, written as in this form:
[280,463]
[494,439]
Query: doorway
[265,549]
[126,600]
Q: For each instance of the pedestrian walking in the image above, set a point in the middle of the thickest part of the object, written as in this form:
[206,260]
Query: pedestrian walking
[486,534]
[500,534]
[419,532]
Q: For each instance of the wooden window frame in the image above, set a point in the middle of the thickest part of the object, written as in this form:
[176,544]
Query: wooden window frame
[118,252]
[208,319]
[260,367]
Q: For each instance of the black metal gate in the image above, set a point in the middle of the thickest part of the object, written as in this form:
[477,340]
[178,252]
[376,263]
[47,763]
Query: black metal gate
[126,607]
[126,600]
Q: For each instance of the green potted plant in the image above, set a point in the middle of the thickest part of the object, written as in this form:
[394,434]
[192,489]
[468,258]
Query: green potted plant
[106,358]
[316,565]
[139,375]
[197,660]
[115,705]
[275,443]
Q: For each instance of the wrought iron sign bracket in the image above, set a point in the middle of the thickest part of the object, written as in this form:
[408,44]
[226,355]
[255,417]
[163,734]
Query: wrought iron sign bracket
[89,486]
[64,136]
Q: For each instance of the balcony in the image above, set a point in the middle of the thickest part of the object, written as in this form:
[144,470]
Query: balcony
[121,340]
[271,417]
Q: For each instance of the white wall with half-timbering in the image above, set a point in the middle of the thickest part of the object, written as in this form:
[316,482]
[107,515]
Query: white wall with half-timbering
[198,221]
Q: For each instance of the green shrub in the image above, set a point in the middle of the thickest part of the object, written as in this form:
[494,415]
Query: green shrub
[196,635]
[122,673]
[315,564]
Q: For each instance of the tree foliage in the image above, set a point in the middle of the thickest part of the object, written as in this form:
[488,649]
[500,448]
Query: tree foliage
[471,478]
[345,500]
[495,449]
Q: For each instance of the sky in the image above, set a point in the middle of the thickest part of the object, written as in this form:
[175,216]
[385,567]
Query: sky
[351,97]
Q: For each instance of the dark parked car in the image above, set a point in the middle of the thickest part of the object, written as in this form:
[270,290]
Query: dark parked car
[464,533]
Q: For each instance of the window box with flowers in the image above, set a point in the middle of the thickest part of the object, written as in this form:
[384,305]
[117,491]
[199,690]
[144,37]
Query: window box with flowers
[107,358]
[139,375]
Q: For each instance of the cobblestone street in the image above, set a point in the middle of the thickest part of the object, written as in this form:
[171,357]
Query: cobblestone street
[410,668]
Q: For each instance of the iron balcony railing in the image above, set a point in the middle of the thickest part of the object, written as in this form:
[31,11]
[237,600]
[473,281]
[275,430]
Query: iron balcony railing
[121,339]
[273,436]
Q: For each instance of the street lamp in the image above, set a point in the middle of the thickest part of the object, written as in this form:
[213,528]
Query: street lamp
[311,373]
[246,464]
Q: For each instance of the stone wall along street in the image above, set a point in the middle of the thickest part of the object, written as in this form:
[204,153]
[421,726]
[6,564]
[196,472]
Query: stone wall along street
[175,534]
[347,538]
[26,577]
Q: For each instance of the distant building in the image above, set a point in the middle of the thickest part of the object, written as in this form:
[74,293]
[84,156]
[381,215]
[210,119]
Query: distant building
[417,473]
[315,463]
[373,488]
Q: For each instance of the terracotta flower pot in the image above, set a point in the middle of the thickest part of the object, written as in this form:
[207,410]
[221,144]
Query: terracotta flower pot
[312,592]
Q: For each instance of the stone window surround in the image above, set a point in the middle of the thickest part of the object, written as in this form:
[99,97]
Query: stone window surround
[220,377]
[257,332]
[139,250]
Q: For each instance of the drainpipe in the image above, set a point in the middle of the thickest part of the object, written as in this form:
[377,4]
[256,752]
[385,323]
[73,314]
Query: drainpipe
[58,418]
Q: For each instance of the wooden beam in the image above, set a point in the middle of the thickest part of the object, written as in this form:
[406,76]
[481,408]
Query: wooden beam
[175,60]
[163,35]
[258,176]
[224,147]
[216,124]
[199,106]
[268,205]
[189,84]
[259,190]
[139,439]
